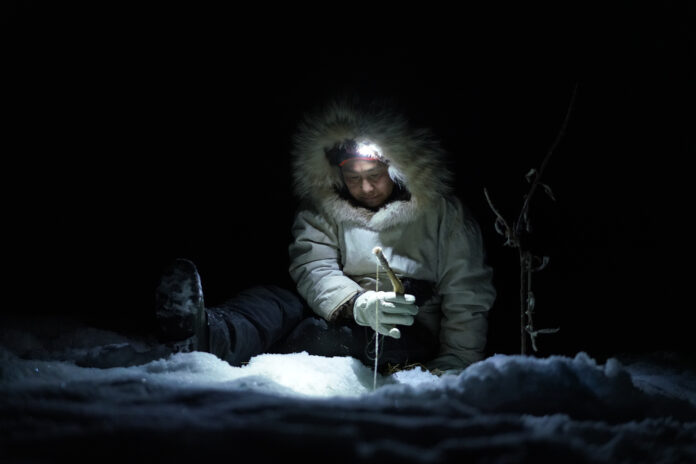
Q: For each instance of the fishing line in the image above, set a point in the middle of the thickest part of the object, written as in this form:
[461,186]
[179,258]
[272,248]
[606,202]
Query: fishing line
[374,378]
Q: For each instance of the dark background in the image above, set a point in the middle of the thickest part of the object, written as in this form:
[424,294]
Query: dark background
[144,133]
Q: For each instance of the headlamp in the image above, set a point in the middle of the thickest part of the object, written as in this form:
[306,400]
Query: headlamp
[348,150]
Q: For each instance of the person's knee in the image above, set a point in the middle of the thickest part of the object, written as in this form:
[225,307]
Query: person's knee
[319,337]
[271,291]
[286,299]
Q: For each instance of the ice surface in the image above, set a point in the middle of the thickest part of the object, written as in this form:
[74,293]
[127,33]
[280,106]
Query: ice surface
[75,392]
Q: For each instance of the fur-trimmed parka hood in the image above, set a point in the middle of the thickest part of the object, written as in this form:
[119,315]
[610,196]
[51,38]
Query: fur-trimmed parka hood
[415,159]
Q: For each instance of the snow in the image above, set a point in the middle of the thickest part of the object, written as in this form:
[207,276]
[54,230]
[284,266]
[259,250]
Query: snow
[69,391]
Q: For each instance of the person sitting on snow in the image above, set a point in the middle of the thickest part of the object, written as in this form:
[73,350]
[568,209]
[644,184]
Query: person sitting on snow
[364,179]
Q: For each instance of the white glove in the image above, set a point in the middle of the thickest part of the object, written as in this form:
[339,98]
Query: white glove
[393,309]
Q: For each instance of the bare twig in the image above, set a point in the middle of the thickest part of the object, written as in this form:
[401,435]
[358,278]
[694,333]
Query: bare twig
[500,223]
[537,177]
[513,239]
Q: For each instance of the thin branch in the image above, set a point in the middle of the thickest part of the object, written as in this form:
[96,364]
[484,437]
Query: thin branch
[527,298]
[510,241]
[533,334]
[490,203]
[540,172]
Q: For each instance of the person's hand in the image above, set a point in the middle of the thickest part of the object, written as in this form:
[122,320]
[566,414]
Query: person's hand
[392,310]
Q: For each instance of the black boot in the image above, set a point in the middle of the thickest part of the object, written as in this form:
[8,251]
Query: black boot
[181,316]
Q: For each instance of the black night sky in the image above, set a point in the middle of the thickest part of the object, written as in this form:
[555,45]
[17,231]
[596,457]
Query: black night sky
[137,135]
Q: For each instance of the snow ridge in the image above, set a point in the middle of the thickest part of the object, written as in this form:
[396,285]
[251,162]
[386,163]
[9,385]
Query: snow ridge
[67,396]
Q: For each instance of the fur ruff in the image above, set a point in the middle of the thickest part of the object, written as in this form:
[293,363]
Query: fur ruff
[416,161]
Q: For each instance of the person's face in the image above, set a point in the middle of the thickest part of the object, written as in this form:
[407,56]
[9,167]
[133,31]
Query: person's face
[368,181]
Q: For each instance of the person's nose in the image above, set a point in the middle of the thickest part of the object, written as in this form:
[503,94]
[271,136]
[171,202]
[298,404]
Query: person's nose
[367,186]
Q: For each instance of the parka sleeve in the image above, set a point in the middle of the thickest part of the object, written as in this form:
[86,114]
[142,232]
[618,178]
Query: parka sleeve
[315,264]
[466,287]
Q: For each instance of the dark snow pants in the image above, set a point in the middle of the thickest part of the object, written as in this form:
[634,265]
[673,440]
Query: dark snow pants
[270,319]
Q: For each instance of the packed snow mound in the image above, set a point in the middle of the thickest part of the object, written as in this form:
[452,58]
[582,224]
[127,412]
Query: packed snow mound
[578,387]
[75,392]
[63,354]
[296,374]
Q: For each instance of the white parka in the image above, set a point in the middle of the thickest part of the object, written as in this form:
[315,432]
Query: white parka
[428,236]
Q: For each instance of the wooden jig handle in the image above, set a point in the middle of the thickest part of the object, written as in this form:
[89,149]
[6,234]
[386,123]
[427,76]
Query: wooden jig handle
[397,286]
